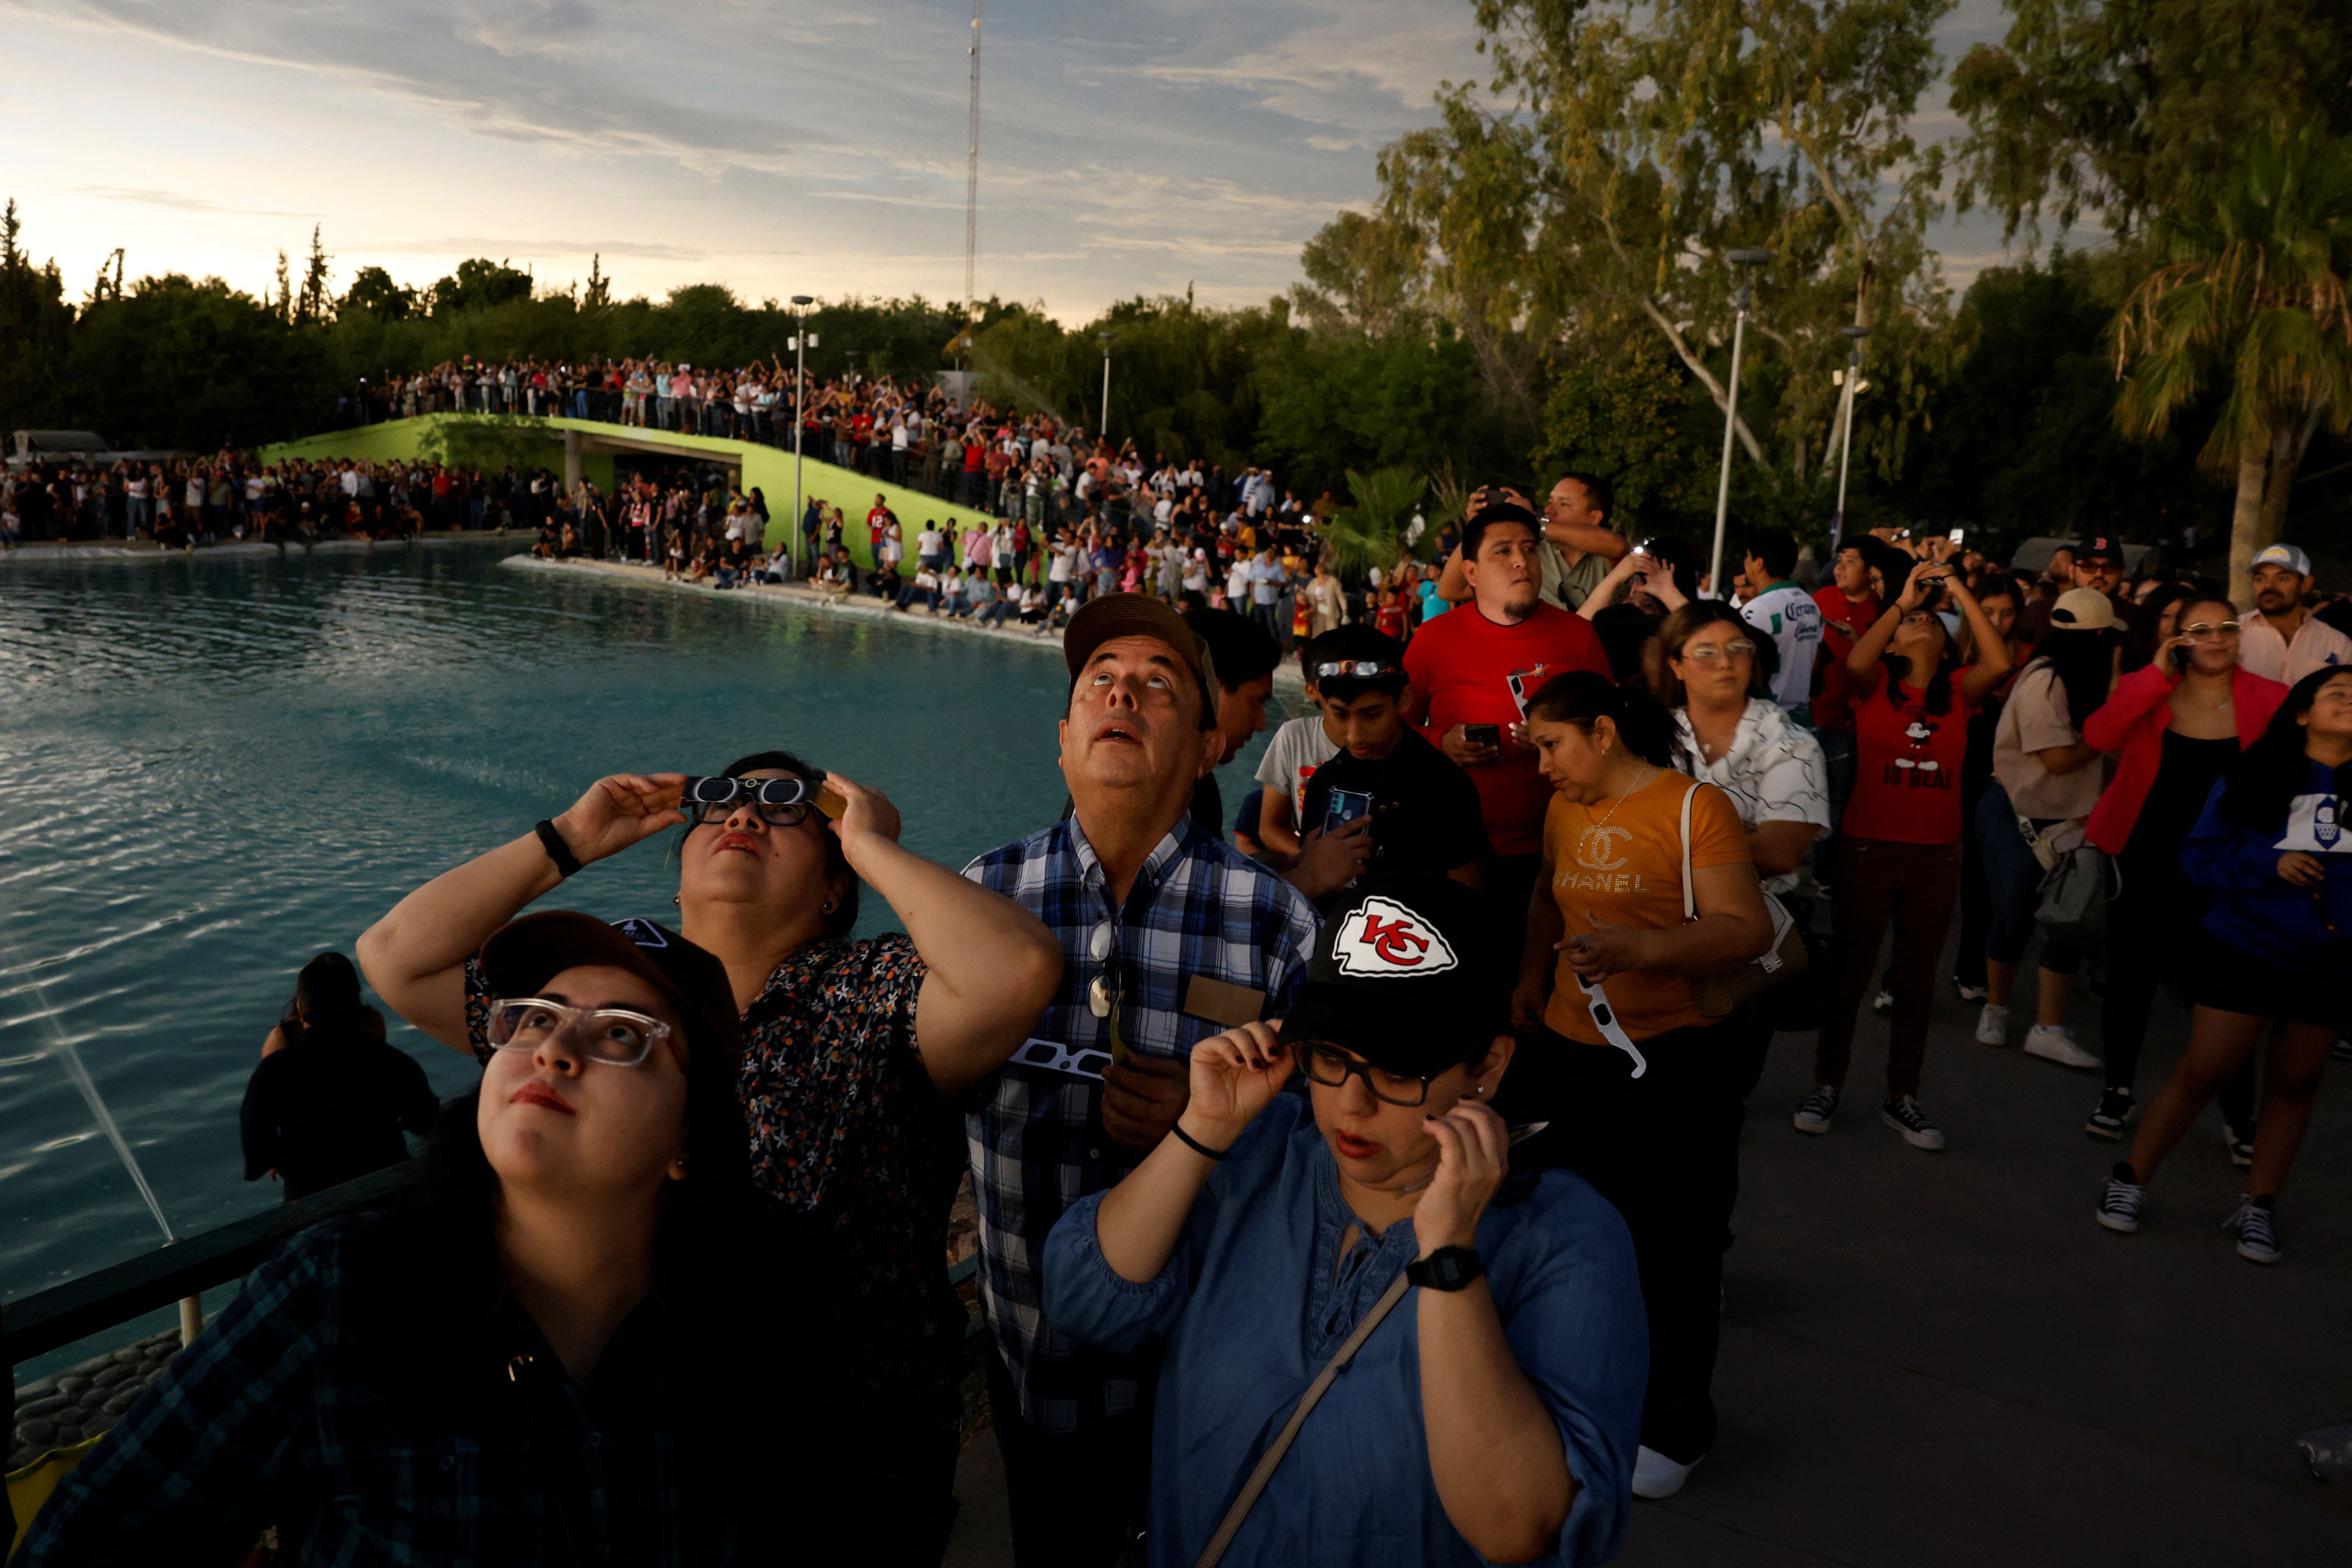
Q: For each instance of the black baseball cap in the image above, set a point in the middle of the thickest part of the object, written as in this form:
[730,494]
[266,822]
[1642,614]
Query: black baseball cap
[2100,544]
[523,955]
[1405,975]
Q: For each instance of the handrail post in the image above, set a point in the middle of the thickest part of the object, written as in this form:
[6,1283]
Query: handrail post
[191,1318]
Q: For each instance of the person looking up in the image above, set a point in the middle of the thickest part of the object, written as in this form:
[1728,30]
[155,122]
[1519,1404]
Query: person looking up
[855,1051]
[2284,642]
[2270,848]
[1777,608]
[1489,1415]
[2045,773]
[1168,936]
[1420,811]
[1580,543]
[1242,657]
[1637,1093]
[517,1367]
[2178,726]
[1472,674]
[329,1102]
[1899,850]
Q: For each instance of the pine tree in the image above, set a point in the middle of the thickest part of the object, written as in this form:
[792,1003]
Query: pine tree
[314,302]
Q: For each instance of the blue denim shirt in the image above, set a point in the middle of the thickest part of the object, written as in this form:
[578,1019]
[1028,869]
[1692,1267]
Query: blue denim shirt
[1258,1296]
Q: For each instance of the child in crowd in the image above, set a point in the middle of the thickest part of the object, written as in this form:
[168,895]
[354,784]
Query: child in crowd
[1299,747]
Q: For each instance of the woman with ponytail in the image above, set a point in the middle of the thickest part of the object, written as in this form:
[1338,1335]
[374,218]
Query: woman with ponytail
[1640,1090]
[1899,846]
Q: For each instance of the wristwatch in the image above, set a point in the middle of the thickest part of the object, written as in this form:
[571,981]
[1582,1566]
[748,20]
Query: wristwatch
[1447,1269]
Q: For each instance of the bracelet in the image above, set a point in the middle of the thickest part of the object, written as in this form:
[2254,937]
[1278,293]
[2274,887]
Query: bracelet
[1195,1146]
[567,864]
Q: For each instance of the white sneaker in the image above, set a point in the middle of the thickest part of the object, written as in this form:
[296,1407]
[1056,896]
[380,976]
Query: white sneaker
[1992,1025]
[1884,1003]
[2055,1042]
[1656,1476]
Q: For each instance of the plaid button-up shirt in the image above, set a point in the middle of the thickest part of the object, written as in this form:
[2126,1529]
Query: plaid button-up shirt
[1197,907]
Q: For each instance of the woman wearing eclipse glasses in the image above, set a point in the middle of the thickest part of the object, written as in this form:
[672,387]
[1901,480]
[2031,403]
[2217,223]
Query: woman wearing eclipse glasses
[855,1052]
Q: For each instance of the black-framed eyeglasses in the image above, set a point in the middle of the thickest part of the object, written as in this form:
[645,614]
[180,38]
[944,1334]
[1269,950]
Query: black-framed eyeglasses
[1331,1067]
[781,803]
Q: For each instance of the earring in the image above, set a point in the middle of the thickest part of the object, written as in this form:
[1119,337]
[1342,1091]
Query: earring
[679,898]
[827,907]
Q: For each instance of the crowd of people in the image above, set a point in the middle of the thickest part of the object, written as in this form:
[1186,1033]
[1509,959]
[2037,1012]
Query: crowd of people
[1464,1015]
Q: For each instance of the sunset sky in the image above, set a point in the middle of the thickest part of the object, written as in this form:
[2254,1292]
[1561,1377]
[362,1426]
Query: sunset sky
[1129,146]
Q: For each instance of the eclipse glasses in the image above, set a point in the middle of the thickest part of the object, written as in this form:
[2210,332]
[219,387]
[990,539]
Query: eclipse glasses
[781,803]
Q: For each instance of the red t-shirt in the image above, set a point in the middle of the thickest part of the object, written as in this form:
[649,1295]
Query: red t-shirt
[1906,776]
[1461,667]
[1843,624]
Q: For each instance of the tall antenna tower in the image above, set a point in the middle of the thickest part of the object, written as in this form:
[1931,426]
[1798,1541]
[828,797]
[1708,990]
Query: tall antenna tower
[971,179]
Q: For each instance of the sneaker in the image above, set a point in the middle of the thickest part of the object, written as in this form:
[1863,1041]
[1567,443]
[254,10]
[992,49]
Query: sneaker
[1884,1003]
[2114,1113]
[1902,1113]
[2257,1233]
[2120,1205]
[1969,993]
[2055,1042]
[2240,1142]
[1992,1025]
[2341,1050]
[1656,1476]
[1813,1116]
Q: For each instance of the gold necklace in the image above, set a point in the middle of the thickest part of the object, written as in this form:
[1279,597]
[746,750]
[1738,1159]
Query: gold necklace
[1654,773]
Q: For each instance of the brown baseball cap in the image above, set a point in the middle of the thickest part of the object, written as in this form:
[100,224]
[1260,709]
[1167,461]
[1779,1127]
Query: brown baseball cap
[1100,620]
[523,955]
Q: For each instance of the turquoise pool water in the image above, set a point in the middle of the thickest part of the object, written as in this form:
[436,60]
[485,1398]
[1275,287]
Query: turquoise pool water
[211,768]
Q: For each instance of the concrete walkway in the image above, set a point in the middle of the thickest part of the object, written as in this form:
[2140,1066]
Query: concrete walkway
[1939,1359]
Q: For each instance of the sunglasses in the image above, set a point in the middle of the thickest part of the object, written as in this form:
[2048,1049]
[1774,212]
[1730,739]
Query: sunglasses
[781,803]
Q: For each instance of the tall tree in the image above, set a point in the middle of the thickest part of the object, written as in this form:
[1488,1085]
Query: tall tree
[312,303]
[2253,291]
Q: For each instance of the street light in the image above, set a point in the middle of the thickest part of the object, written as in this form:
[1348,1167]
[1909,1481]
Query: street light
[801,302]
[1854,335]
[1743,262]
[1103,432]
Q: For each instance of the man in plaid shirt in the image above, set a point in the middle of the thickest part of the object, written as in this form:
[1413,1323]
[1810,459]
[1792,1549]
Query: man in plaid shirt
[1168,936]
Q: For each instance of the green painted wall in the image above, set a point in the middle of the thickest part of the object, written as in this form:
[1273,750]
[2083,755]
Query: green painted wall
[539,443]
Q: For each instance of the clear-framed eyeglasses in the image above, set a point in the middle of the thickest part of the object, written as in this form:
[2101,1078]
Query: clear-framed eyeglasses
[2209,631]
[1720,653]
[616,1036]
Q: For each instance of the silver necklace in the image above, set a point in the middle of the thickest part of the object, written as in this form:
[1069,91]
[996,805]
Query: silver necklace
[1654,773]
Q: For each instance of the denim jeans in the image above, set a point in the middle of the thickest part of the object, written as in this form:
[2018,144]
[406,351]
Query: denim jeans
[2015,878]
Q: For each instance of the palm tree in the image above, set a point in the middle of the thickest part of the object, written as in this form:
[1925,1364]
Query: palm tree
[2251,290]
[1370,531]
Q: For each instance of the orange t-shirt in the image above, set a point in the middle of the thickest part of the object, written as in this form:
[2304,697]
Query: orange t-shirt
[1622,860]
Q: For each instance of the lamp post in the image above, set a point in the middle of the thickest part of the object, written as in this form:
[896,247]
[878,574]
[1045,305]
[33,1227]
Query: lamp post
[801,302]
[1742,263]
[1854,335]
[1103,431]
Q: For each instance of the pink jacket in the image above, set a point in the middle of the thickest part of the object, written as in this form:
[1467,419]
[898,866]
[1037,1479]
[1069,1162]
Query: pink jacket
[2134,721]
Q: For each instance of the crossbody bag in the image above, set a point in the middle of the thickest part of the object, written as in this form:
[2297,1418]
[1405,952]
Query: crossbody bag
[1718,996]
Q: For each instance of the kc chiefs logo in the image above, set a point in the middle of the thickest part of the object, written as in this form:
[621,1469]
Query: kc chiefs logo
[1383,939]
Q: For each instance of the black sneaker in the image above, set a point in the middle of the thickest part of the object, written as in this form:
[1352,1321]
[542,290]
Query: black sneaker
[1902,1113]
[2121,1201]
[2116,1109]
[2240,1142]
[1813,1116]
[2341,1050]
[2257,1233]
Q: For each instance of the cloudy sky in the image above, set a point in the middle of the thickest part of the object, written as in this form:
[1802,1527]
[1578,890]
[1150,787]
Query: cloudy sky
[1128,145]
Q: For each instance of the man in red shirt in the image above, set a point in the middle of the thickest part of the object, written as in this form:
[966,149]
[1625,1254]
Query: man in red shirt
[1479,665]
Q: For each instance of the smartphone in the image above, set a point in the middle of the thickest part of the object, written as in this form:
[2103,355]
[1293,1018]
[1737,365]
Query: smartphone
[1483,734]
[1344,806]
[1959,535]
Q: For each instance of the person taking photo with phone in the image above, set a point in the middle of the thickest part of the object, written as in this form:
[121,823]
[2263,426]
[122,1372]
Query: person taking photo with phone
[1899,846]
[2270,848]
[856,1052]
[1490,1324]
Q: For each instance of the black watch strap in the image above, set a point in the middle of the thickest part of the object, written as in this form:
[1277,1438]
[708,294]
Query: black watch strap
[1447,1269]
[566,863]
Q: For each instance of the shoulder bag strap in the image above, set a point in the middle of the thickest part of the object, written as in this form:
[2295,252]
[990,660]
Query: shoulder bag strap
[1281,1445]
[1690,897]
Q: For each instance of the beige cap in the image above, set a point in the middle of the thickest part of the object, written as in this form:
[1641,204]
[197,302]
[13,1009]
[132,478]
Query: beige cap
[2082,610]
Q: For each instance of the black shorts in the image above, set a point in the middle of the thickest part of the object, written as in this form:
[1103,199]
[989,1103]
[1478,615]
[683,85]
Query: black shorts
[2226,977]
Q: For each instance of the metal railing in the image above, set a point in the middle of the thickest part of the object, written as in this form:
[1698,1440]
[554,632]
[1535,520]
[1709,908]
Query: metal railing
[63,1314]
